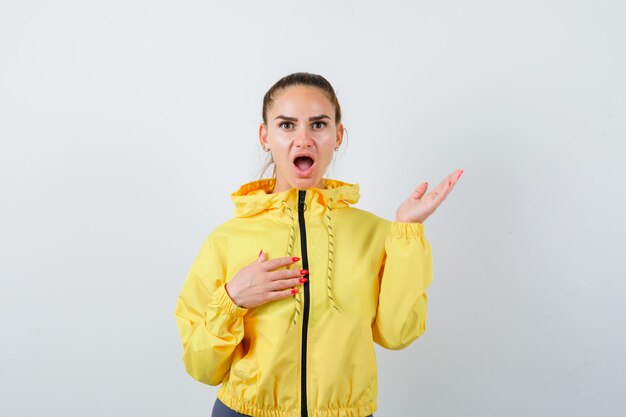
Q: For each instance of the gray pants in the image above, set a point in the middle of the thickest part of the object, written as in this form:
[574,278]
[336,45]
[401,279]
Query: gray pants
[220,410]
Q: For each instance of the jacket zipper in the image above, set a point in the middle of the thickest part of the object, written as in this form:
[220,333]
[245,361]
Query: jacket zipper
[305,315]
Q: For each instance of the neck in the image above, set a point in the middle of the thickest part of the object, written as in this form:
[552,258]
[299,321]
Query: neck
[282,185]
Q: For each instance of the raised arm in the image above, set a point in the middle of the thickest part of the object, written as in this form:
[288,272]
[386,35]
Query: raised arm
[405,274]
[407,269]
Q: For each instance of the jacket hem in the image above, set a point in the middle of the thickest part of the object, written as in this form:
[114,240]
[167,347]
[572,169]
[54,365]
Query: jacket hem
[362,409]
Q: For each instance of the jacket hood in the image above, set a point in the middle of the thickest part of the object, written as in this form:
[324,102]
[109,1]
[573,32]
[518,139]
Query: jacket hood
[256,197]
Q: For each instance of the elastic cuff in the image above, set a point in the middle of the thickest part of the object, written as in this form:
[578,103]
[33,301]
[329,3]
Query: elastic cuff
[401,229]
[222,300]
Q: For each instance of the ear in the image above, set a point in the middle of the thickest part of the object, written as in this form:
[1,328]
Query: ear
[339,135]
[263,135]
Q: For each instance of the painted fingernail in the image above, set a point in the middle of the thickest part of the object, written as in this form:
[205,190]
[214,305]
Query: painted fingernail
[261,252]
[295,290]
[295,259]
[449,182]
[304,271]
[460,173]
[304,279]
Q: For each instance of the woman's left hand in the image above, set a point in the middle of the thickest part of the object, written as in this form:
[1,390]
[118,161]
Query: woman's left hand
[418,206]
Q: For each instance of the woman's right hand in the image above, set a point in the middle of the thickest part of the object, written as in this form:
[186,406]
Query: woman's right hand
[258,283]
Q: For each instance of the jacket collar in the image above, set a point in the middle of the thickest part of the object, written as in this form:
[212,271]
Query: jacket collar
[256,196]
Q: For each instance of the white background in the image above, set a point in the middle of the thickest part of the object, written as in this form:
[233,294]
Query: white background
[125,125]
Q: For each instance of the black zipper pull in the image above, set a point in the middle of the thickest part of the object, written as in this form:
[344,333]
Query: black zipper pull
[301,203]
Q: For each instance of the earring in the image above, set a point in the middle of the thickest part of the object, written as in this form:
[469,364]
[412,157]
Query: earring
[266,149]
[336,148]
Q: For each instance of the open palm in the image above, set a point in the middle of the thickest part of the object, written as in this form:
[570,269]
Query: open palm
[420,205]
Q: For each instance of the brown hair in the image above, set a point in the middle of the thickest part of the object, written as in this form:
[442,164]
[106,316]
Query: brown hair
[297,78]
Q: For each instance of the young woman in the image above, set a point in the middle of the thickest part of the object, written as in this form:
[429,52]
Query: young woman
[291,332]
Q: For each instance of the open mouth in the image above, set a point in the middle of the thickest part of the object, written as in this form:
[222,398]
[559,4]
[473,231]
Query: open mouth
[304,165]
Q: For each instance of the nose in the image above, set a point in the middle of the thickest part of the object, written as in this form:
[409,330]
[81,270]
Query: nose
[302,139]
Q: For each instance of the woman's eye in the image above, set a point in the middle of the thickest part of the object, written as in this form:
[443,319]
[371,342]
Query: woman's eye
[320,123]
[283,123]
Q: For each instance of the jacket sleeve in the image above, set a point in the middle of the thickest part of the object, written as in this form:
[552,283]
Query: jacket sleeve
[209,322]
[405,273]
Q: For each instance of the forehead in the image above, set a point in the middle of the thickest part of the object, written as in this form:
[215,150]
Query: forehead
[301,99]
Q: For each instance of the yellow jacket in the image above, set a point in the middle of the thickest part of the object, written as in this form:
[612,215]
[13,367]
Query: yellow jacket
[311,354]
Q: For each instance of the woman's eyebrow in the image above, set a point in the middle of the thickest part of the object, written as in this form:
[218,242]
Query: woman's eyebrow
[295,119]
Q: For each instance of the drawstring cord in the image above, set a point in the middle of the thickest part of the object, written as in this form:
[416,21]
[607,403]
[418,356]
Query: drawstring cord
[331,254]
[292,233]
